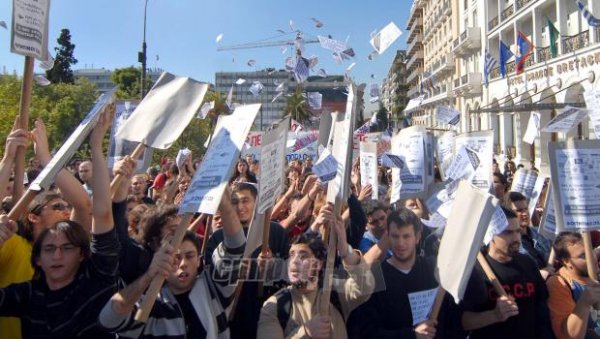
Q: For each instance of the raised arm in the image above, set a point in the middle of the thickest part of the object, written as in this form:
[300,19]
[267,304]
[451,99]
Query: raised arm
[102,220]
[16,138]
[71,189]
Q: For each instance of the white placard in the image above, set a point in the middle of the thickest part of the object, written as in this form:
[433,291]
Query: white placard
[530,184]
[342,150]
[445,152]
[421,304]
[464,165]
[385,38]
[272,164]
[548,227]
[119,148]
[391,160]
[462,238]
[29,34]
[592,101]
[165,111]
[368,167]
[326,166]
[409,181]
[575,173]
[498,224]
[533,128]
[70,146]
[207,187]
[447,115]
[482,143]
[568,118]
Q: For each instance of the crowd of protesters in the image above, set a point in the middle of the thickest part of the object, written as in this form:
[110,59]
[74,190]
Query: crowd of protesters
[79,261]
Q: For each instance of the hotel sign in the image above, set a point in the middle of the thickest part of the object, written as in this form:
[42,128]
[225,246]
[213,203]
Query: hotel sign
[560,68]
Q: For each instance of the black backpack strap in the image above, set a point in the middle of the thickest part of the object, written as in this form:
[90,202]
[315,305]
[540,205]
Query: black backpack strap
[284,306]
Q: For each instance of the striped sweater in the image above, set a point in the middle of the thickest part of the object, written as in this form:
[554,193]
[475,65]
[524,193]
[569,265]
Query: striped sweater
[210,296]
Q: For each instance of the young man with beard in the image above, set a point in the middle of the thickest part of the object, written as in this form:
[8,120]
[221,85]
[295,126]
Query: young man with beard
[388,313]
[521,314]
[573,293]
[245,319]
[293,312]
[192,303]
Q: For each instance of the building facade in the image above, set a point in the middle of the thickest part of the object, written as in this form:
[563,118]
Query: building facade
[414,49]
[101,77]
[394,96]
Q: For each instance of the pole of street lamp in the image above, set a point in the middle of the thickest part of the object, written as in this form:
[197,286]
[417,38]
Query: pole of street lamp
[143,55]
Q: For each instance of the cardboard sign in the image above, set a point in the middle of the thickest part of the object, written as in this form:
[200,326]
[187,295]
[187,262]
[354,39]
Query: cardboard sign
[409,181]
[272,165]
[368,167]
[119,148]
[29,33]
[483,144]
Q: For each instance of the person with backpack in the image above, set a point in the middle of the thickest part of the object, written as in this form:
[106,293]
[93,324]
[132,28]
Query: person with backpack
[293,312]
[572,293]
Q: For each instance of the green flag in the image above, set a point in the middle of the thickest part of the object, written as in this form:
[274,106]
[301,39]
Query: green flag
[553,34]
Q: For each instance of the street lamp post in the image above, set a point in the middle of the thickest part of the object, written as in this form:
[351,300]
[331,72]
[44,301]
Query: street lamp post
[142,55]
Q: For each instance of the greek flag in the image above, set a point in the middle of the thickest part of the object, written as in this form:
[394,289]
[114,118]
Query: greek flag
[592,20]
[301,70]
[489,65]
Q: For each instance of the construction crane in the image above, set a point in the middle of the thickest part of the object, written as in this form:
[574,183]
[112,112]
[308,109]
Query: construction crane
[264,43]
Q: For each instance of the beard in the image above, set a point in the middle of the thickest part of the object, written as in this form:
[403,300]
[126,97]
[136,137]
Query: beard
[513,249]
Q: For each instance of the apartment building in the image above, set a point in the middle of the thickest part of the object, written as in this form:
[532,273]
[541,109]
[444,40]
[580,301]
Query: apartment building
[414,50]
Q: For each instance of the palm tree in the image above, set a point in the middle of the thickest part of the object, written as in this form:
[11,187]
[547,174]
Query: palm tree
[297,107]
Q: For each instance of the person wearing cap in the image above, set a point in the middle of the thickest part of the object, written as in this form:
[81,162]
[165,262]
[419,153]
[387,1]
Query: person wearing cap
[523,312]
[44,211]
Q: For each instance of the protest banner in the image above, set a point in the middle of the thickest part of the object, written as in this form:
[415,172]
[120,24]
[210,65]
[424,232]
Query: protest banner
[272,165]
[444,152]
[463,237]
[337,190]
[368,167]
[483,144]
[421,304]
[447,115]
[29,37]
[410,181]
[530,184]
[575,174]
[119,148]
[567,118]
[208,184]
[162,115]
[592,101]
[548,226]
[63,155]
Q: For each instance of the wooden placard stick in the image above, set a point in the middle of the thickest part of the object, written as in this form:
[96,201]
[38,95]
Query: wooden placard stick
[26,89]
[137,152]
[150,297]
[490,275]
[207,233]
[265,250]
[331,254]
[437,304]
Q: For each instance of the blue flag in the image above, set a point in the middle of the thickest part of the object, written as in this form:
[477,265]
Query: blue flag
[505,54]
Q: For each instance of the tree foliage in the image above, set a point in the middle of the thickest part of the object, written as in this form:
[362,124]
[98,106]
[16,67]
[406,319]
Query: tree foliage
[297,107]
[61,107]
[61,71]
[129,81]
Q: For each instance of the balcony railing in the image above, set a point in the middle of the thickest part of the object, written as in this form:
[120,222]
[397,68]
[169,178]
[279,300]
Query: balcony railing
[493,23]
[506,13]
[468,85]
[576,42]
[522,3]
[469,40]
[510,67]
[495,73]
[598,34]
[544,54]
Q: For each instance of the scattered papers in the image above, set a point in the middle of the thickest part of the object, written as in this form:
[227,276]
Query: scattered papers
[256,88]
[3,24]
[47,64]
[322,73]
[182,156]
[533,128]
[568,118]
[206,107]
[332,45]
[326,166]
[251,62]
[497,225]
[447,115]
[313,61]
[291,24]
[372,55]
[41,80]
[219,38]
[464,165]
[228,100]
[318,23]
[392,161]
[421,304]
[349,68]
[385,38]
[374,90]
[314,100]
[240,81]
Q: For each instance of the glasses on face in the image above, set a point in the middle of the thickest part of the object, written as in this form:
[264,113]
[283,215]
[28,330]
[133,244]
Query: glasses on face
[65,248]
[59,206]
